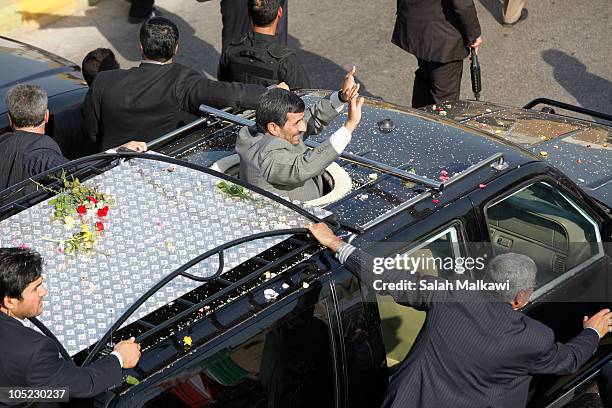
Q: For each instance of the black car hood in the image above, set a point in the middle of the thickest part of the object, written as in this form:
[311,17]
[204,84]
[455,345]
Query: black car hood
[22,63]
[579,148]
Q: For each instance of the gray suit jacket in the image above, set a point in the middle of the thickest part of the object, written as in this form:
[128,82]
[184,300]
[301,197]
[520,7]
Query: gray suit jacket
[292,171]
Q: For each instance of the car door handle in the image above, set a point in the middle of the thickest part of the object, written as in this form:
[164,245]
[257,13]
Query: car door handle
[505,242]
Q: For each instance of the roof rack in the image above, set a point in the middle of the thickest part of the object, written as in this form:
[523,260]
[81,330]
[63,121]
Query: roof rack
[82,167]
[168,137]
[495,161]
[108,158]
[228,286]
[567,106]
[264,264]
[362,161]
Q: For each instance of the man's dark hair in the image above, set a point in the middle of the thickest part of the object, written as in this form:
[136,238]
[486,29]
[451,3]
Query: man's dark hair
[274,105]
[18,268]
[98,60]
[26,105]
[159,37]
[263,12]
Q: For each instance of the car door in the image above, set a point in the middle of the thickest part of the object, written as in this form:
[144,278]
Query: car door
[285,358]
[437,240]
[536,211]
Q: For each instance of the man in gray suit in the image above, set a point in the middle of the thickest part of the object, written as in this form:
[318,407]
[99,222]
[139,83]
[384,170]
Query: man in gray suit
[476,349]
[273,155]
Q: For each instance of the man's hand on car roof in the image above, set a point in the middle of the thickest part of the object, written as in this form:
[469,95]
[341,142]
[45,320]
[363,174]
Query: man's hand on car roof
[322,233]
[129,351]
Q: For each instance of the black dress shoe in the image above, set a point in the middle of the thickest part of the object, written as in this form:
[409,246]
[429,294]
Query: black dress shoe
[523,17]
[140,20]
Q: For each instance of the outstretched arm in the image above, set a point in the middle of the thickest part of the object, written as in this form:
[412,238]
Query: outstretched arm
[374,273]
[322,113]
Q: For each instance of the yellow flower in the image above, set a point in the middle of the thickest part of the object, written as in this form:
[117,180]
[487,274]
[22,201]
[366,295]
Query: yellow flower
[87,234]
[69,221]
[187,341]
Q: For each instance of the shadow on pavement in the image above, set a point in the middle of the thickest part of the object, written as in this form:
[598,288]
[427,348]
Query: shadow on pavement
[111,22]
[494,7]
[590,90]
[124,37]
[324,73]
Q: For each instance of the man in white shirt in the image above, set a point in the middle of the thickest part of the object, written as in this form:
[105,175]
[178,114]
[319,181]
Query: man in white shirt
[273,155]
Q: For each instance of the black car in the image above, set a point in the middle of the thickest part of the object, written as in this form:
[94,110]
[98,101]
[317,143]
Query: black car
[291,326]
[23,63]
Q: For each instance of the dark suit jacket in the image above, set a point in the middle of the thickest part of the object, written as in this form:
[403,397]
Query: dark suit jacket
[473,350]
[436,30]
[31,359]
[68,130]
[148,101]
[25,154]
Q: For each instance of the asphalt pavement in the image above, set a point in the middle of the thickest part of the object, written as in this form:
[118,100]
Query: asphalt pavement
[562,51]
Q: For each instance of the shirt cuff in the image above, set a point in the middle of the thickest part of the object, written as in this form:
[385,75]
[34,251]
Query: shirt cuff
[340,139]
[336,103]
[344,252]
[110,151]
[594,329]
[116,353]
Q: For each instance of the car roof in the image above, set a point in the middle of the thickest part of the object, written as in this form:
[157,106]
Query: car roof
[23,63]
[582,149]
[424,144]
[421,143]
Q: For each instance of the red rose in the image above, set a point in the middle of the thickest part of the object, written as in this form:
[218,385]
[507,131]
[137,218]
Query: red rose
[99,226]
[81,209]
[92,199]
[103,212]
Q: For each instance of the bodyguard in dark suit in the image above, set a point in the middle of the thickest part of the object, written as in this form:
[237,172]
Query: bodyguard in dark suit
[237,24]
[258,58]
[150,100]
[27,151]
[30,359]
[436,32]
[68,127]
[476,349]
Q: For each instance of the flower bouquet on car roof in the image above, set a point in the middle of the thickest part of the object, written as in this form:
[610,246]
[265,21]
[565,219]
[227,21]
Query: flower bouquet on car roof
[83,210]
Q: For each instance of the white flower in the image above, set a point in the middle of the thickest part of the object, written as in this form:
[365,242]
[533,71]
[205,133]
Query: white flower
[270,294]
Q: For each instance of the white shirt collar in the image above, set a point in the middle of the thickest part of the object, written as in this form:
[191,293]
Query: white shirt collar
[156,62]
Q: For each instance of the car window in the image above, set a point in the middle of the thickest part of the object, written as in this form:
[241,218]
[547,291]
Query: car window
[400,324]
[289,364]
[545,224]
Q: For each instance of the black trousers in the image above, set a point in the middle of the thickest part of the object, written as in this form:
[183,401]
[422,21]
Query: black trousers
[435,82]
[237,23]
[604,384]
[141,8]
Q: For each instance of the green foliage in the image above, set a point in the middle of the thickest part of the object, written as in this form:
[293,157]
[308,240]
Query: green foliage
[72,195]
[234,190]
[132,380]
